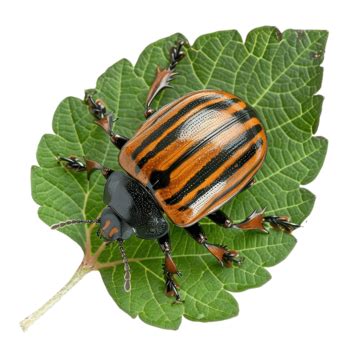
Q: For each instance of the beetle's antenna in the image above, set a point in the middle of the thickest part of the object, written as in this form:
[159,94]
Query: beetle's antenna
[127,273]
[73,222]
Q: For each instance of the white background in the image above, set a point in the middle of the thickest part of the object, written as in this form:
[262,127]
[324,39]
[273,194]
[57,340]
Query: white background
[309,310]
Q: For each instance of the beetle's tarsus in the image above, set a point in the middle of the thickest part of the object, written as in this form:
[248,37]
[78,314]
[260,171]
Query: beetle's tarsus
[176,54]
[96,107]
[73,163]
[281,223]
[171,287]
[232,257]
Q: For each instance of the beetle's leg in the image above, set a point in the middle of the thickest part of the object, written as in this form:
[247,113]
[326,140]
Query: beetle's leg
[171,287]
[255,221]
[223,255]
[73,163]
[163,77]
[105,120]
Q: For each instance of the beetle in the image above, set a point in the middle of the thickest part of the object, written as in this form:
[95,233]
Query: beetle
[188,159]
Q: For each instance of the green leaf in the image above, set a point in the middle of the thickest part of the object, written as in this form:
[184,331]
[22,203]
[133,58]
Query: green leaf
[279,75]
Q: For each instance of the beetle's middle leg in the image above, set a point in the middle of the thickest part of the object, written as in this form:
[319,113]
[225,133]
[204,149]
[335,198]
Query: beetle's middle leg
[105,120]
[255,221]
[171,287]
[163,77]
[222,254]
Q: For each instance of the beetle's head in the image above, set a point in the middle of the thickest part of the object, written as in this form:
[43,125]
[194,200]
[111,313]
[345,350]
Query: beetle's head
[112,228]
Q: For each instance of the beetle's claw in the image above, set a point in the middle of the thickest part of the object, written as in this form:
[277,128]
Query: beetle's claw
[176,54]
[231,257]
[96,107]
[171,287]
[281,223]
[72,163]
[223,255]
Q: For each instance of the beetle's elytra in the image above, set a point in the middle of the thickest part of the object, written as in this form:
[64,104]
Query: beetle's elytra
[187,160]
[196,153]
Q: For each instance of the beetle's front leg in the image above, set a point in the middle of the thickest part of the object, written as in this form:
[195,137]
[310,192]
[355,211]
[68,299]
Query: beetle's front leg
[163,77]
[255,221]
[75,164]
[105,120]
[171,287]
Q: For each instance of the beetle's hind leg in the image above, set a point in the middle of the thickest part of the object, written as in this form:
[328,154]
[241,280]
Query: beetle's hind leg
[255,221]
[170,269]
[78,165]
[163,77]
[104,119]
[222,254]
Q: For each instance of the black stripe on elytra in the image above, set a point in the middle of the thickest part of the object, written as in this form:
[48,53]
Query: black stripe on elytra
[160,130]
[174,135]
[231,188]
[159,179]
[217,161]
[233,168]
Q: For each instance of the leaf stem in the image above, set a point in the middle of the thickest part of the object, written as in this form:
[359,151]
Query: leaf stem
[81,271]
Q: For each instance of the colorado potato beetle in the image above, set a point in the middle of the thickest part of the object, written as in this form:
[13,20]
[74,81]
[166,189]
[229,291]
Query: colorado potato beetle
[188,159]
